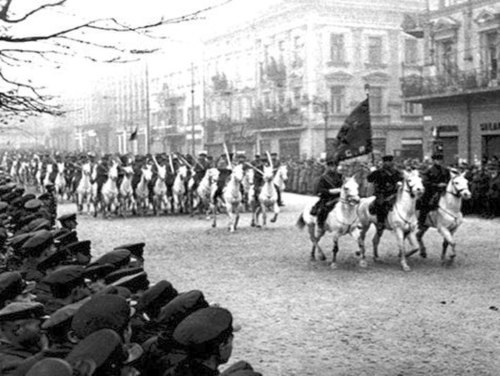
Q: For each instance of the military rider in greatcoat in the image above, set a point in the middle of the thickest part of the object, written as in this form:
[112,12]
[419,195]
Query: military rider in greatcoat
[385,183]
[328,190]
[435,180]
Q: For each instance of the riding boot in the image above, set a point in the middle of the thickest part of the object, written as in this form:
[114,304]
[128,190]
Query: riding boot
[322,215]
[380,221]
[422,217]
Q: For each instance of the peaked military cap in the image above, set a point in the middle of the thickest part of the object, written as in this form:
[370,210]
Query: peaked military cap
[44,196]
[121,273]
[21,311]
[136,249]
[83,246]
[181,306]
[206,326]
[118,258]
[103,346]
[388,158]
[134,283]
[40,224]
[3,206]
[17,241]
[65,277]
[66,238]
[52,260]
[33,204]
[50,367]
[38,242]
[5,188]
[96,272]
[64,315]
[437,156]
[156,296]
[67,217]
[101,312]
[11,285]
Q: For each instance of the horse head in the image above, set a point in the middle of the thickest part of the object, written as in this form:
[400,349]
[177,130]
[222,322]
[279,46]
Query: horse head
[213,175]
[413,183]
[283,172]
[162,172]
[268,173]
[129,171]
[238,173]
[147,172]
[182,172]
[60,167]
[113,171]
[86,169]
[459,185]
[250,176]
[350,191]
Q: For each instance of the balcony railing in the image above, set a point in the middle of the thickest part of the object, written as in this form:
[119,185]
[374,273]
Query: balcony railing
[450,83]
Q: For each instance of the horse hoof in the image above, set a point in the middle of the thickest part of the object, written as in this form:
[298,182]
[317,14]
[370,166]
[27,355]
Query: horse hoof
[406,268]
[322,258]
[363,264]
[357,253]
[273,220]
[252,224]
[213,225]
[312,259]
[333,266]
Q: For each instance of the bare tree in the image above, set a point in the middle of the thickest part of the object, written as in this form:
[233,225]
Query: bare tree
[100,39]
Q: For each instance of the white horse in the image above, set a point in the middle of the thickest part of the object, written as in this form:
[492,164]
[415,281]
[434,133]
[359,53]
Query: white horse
[13,170]
[280,179]
[160,200]
[126,192]
[268,199]
[60,181]
[84,189]
[48,172]
[402,218]
[447,218]
[342,220]
[206,188]
[142,190]
[179,190]
[249,188]
[109,191]
[38,174]
[232,197]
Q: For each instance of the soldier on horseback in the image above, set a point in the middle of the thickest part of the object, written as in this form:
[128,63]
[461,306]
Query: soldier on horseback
[385,183]
[200,168]
[328,190]
[435,179]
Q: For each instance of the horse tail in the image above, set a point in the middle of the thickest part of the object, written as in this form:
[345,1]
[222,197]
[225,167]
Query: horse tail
[300,222]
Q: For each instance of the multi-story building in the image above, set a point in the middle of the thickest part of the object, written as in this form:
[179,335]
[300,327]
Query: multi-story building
[286,81]
[458,82]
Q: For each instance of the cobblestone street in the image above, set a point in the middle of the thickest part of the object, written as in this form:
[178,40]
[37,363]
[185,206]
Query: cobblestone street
[302,318]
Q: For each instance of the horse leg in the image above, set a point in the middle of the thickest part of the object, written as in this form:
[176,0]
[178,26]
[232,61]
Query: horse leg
[310,229]
[401,244]
[335,250]
[420,238]
[276,212]
[317,237]
[412,239]
[214,214]
[376,242]
[237,218]
[448,240]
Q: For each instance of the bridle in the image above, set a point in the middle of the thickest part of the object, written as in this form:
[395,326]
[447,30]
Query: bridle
[458,192]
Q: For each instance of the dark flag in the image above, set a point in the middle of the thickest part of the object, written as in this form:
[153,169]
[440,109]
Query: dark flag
[355,135]
[133,136]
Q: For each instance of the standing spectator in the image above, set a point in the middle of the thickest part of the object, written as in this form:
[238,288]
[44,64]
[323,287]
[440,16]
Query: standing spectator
[494,192]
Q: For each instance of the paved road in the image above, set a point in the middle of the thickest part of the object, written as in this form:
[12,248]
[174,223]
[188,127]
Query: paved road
[302,318]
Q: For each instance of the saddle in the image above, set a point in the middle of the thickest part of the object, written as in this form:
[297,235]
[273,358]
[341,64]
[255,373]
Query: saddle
[384,204]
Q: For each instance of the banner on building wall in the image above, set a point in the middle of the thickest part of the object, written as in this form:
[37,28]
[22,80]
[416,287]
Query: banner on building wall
[355,135]
[133,135]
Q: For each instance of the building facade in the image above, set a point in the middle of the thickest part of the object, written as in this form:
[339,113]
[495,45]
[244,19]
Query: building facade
[459,82]
[286,81]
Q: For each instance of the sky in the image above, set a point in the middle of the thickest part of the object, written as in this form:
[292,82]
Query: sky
[181,37]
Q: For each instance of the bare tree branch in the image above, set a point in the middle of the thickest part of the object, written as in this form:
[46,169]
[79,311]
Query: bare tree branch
[5,17]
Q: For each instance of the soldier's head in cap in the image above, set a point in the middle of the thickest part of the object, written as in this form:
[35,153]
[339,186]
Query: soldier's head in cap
[50,367]
[67,283]
[14,289]
[154,298]
[68,221]
[32,205]
[95,276]
[388,160]
[207,335]
[80,252]
[62,238]
[103,312]
[117,258]
[137,283]
[39,245]
[104,349]
[137,252]
[437,158]
[20,325]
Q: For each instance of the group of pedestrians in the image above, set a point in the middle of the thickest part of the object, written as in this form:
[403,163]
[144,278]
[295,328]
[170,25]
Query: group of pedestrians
[65,312]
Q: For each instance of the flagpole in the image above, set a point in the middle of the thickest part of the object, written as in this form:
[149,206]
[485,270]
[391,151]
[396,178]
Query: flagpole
[367,92]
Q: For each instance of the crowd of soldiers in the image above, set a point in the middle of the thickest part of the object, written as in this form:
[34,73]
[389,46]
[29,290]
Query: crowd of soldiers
[483,177]
[65,312]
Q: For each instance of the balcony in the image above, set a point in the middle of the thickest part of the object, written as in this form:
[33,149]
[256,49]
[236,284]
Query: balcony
[450,84]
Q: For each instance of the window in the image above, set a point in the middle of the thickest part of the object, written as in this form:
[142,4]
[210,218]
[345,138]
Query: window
[492,43]
[378,145]
[337,99]
[375,50]
[267,101]
[281,49]
[411,108]
[297,95]
[411,51]
[297,51]
[446,56]
[337,48]
[180,117]
[376,100]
